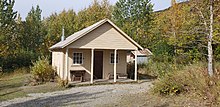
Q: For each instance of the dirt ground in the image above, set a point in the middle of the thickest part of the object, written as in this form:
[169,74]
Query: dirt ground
[114,95]
[88,96]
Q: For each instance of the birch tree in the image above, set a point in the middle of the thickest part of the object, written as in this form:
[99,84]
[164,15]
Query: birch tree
[210,51]
[205,10]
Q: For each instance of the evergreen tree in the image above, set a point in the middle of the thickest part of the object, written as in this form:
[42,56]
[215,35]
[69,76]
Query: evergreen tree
[34,32]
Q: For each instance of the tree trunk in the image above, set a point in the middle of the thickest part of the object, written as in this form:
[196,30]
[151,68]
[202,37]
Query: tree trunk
[210,51]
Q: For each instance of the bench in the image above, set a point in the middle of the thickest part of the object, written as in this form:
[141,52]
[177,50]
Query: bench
[77,75]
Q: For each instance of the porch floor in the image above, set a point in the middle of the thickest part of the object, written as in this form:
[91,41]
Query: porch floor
[102,81]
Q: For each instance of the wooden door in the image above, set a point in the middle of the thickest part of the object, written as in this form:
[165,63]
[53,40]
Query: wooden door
[98,64]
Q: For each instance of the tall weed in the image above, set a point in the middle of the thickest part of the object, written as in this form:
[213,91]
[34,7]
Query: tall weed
[193,79]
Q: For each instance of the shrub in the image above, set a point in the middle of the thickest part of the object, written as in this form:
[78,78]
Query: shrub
[217,53]
[42,71]
[21,59]
[167,86]
[130,69]
[192,79]
[158,69]
[63,83]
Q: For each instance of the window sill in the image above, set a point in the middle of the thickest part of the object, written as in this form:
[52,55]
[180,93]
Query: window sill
[76,64]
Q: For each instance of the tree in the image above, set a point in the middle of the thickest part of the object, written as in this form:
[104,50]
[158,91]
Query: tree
[206,10]
[55,23]
[34,32]
[210,36]
[95,12]
[73,22]
[175,27]
[135,18]
[7,26]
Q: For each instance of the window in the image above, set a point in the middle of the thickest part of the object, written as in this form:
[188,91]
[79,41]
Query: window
[77,58]
[112,58]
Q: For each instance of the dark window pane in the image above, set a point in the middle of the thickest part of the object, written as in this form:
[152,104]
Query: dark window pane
[77,58]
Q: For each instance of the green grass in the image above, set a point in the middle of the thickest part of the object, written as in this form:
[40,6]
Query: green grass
[12,86]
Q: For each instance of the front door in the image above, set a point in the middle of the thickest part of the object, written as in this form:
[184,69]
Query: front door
[98,64]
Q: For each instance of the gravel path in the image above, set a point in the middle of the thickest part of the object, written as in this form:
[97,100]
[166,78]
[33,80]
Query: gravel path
[90,96]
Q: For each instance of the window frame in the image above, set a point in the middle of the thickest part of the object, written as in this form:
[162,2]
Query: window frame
[117,59]
[79,58]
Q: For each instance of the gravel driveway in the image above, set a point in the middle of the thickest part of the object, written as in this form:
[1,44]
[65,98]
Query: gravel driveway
[89,96]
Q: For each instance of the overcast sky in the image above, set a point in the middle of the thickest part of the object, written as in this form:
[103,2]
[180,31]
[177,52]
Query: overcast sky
[50,6]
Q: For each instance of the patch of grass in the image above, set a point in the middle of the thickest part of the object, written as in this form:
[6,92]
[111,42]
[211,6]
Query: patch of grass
[13,86]
[43,88]
[10,86]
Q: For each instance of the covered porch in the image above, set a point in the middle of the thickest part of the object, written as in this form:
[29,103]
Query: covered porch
[97,65]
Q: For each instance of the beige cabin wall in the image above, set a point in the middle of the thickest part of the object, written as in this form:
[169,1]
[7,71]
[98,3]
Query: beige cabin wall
[58,63]
[86,62]
[104,37]
[121,66]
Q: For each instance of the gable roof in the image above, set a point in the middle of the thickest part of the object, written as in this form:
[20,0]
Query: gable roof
[74,37]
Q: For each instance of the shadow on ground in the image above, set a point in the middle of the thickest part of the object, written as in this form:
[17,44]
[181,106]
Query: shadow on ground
[59,100]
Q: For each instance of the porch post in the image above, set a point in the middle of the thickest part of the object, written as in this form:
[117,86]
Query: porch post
[92,61]
[115,59]
[135,66]
[67,65]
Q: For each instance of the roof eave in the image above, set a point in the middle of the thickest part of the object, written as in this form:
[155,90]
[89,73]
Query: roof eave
[54,48]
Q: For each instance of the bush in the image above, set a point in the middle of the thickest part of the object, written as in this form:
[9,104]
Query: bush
[42,71]
[217,53]
[130,69]
[63,83]
[158,69]
[192,79]
[21,59]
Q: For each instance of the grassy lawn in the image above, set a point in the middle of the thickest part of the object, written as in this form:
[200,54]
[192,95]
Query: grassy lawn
[12,86]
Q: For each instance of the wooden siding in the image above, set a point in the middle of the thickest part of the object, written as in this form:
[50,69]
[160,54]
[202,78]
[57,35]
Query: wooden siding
[104,37]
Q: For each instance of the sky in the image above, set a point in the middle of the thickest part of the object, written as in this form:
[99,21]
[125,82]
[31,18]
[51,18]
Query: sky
[50,6]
